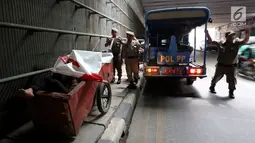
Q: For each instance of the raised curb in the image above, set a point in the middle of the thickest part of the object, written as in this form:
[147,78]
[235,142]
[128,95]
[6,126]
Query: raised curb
[96,118]
[124,111]
[89,133]
[116,130]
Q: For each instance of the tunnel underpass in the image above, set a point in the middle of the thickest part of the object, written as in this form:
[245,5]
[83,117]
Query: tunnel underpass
[34,34]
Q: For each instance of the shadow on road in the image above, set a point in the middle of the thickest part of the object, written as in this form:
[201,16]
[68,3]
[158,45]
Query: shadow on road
[167,93]
[169,88]
[216,100]
[160,93]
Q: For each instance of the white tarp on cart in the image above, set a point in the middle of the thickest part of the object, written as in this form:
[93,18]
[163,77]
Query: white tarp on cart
[82,64]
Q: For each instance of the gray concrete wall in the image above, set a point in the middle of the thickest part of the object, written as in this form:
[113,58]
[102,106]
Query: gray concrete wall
[137,8]
[22,51]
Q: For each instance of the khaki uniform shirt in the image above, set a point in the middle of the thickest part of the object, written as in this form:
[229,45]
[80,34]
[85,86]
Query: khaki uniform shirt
[227,53]
[116,46]
[131,49]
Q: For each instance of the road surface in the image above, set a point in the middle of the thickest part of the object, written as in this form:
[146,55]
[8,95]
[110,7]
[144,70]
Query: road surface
[172,112]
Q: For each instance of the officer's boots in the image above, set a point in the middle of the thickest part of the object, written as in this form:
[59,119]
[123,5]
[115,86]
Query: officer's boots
[212,89]
[231,94]
[113,80]
[132,85]
[119,80]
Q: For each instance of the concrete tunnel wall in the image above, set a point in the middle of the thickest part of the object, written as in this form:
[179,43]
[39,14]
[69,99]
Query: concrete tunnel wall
[23,51]
[137,8]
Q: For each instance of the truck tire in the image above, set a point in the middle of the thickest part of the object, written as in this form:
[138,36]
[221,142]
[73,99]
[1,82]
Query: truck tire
[189,81]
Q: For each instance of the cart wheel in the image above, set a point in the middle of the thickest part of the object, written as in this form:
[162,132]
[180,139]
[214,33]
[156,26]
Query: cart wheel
[189,81]
[103,97]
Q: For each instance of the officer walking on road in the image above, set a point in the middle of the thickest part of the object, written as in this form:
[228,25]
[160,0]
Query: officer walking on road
[130,53]
[227,60]
[116,48]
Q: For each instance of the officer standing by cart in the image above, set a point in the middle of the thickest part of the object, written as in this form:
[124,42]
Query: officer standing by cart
[130,53]
[116,48]
[227,60]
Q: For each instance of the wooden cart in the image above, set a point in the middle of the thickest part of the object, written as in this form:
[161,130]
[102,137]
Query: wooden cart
[64,113]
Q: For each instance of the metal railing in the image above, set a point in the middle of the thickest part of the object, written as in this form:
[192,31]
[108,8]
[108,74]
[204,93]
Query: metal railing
[8,79]
[111,1]
[142,20]
[42,29]
[93,11]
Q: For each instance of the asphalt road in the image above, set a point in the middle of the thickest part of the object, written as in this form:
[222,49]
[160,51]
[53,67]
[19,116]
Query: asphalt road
[172,112]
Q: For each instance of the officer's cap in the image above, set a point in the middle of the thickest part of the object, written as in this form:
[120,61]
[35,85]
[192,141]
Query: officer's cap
[115,29]
[230,33]
[130,33]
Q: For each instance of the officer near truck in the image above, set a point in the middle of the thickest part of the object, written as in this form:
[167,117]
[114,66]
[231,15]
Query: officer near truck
[130,52]
[227,60]
[116,48]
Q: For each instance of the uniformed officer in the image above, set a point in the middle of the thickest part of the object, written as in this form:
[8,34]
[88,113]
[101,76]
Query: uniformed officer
[227,60]
[116,48]
[130,53]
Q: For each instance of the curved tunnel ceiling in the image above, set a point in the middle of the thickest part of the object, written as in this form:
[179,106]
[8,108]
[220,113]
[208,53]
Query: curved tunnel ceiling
[220,9]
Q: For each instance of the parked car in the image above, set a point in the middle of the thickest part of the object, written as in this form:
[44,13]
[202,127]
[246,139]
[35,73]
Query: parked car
[210,46]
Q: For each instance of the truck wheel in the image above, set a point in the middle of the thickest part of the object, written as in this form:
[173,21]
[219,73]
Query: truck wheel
[189,81]
[103,97]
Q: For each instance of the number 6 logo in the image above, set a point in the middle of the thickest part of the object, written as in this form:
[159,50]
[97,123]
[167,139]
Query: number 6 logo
[238,13]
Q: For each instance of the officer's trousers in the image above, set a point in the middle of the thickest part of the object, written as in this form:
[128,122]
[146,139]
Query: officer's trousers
[117,63]
[132,68]
[229,71]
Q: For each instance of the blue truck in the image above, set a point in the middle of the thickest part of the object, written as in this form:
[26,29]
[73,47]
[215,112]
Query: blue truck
[167,51]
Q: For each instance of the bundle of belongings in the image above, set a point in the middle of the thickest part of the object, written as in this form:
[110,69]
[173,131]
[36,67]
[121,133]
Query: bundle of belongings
[68,71]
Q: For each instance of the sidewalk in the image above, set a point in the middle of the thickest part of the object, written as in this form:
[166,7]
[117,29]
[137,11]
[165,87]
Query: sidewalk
[94,126]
